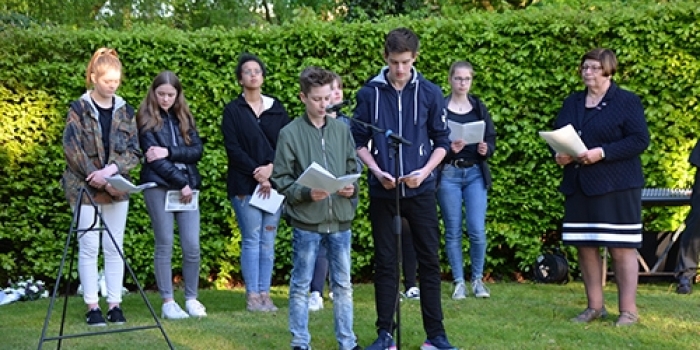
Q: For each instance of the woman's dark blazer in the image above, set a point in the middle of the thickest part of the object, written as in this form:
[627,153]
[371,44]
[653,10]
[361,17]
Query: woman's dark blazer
[617,125]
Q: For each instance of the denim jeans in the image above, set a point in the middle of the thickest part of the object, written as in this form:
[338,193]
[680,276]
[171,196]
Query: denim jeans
[305,246]
[258,232]
[463,191]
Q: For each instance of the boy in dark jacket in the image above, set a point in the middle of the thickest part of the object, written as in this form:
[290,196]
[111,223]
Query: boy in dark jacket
[317,216]
[401,100]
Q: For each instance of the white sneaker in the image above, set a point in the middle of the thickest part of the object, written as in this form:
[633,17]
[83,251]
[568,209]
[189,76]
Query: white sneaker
[480,290]
[413,293]
[460,291]
[172,311]
[315,301]
[195,308]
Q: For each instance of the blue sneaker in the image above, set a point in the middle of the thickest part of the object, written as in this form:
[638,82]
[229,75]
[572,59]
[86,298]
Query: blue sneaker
[438,343]
[384,342]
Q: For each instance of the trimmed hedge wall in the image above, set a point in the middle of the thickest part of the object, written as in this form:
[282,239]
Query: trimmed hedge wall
[525,65]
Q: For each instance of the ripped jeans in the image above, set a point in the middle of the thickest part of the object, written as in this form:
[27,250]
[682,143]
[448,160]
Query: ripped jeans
[258,231]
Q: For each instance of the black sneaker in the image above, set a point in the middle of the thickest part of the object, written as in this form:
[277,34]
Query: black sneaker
[95,318]
[116,316]
[685,285]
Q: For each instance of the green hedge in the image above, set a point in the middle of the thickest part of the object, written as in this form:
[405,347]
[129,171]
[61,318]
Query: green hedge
[525,66]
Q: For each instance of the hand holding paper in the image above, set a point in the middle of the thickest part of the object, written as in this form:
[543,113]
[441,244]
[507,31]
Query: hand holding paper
[270,203]
[565,140]
[469,132]
[315,176]
[121,184]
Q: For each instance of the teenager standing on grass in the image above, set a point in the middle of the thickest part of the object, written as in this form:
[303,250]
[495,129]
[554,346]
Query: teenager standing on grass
[318,218]
[464,183]
[100,140]
[251,124]
[402,100]
[172,147]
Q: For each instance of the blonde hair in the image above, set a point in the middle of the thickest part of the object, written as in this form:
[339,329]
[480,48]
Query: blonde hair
[102,60]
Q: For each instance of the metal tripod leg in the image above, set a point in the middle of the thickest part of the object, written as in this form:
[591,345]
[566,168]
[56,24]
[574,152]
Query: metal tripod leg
[74,229]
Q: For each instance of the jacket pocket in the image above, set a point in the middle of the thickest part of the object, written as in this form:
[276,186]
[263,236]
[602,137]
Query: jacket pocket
[122,137]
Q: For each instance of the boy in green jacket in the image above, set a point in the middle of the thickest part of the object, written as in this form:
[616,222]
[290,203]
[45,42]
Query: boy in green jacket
[317,216]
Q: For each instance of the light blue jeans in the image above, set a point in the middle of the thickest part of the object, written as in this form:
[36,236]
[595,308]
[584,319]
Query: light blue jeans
[258,232]
[305,246]
[463,191]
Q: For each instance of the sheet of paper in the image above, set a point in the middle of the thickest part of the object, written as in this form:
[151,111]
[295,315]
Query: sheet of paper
[172,201]
[316,176]
[270,204]
[565,140]
[122,184]
[469,132]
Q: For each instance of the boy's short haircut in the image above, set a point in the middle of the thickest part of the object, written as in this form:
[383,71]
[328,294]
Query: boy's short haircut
[401,40]
[313,77]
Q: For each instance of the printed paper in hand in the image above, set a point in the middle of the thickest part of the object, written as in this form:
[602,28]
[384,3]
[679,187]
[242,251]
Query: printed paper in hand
[469,132]
[122,184]
[270,204]
[315,176]
[172,201]
[565,140]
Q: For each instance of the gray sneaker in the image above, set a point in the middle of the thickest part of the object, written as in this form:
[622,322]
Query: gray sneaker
[460,291]
[254,303]
[480,291]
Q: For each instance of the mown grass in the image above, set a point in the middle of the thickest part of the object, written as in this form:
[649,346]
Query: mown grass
[517,316]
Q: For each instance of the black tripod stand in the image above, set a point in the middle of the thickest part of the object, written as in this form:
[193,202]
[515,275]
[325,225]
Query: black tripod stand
[395,142]
[79,232]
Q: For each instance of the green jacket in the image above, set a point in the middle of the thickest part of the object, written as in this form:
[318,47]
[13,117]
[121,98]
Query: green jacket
[300,143]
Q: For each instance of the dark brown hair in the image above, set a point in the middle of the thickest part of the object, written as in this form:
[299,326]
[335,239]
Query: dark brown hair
[148,116]
[313,77]
[606,58]
[401,40]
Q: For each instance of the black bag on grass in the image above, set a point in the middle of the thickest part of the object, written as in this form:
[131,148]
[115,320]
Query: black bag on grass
[552,267]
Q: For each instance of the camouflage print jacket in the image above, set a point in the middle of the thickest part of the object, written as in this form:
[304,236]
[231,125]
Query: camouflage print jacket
[84,150]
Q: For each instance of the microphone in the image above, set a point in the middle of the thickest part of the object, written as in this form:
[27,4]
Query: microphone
[336,107]
[397,138]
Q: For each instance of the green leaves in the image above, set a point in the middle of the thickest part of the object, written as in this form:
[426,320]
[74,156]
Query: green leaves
[525,65]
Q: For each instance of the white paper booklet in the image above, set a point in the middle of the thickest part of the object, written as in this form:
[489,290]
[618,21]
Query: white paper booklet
[122,184]
[469,132]
[270,204]
[315,176]
[172,201]
[565,140]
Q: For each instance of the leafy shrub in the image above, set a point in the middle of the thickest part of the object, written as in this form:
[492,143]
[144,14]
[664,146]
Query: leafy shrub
[525,64]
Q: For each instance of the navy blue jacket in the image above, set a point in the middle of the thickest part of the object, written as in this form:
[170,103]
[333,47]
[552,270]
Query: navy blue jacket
[164,172]
[694,158]
[618,126]
[416,113]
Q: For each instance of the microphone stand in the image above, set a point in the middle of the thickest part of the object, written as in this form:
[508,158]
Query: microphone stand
[395,142]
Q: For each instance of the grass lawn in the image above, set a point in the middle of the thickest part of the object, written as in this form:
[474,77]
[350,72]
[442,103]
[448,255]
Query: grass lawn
[517,316]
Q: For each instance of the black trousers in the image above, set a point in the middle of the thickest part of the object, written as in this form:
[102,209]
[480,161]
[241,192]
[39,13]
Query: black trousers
[689,249]
[421,214]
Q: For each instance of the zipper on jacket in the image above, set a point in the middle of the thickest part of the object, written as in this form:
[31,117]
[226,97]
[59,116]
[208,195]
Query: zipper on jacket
[325,165]
[399,156]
